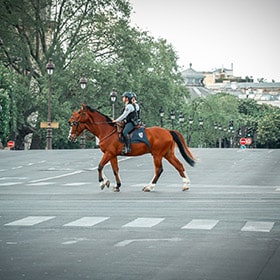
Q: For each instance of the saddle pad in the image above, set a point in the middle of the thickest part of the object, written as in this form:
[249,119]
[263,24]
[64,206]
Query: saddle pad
[139,136]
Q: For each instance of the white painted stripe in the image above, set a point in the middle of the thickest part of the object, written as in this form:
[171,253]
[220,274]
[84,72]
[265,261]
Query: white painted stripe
[77,184]
[144,222]
[10,184]
[30,221]
[69,174]
[41,184]
[201,224]
[57,177]
[127,242]
[258,226]
[86,222]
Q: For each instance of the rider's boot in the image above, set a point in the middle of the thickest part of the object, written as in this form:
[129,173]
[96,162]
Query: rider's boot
[127,145]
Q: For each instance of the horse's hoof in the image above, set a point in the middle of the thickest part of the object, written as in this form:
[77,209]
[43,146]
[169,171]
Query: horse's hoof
[116,189]
[185,187]
[148,188]
[104,183]
[107,183]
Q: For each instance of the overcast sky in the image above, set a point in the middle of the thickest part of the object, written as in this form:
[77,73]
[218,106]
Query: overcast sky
[212,34]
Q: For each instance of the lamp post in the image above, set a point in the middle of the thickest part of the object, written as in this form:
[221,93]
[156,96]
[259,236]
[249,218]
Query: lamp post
[200,121]
[181,120]
[83,84]
[113,97]
[161,114]
[190,130]
[172,116]
[220,136]
[231,131]
[215,136]
[50,68]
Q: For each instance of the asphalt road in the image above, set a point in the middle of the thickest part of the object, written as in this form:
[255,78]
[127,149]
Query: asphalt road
[55,222]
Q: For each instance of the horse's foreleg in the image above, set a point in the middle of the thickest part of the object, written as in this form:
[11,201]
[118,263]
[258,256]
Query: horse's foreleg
[103,181]
[115,167]
[158,171]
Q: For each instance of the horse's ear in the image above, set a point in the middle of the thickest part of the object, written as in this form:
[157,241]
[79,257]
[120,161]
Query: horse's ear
[83,106]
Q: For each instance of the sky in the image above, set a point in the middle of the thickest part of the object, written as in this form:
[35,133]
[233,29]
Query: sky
[212,34]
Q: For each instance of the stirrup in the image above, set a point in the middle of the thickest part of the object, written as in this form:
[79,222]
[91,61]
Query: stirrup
[125,150]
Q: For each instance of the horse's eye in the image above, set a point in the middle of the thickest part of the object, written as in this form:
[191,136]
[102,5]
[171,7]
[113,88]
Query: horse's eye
[73,123]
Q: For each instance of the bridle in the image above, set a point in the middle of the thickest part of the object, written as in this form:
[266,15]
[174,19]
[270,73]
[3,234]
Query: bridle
[77,124]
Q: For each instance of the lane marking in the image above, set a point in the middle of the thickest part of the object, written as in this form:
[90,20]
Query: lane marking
[10,184]
[41,184]
[30,221]
[129,241]
[86,222]
[144,222]
[57,177]
[201,224]
[258,226]
[71,173]
[74,241]
[77,184]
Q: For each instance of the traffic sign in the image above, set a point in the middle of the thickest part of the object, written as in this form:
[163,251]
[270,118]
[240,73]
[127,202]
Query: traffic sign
[248,141]
[243,141]
[11,144]
[46,125]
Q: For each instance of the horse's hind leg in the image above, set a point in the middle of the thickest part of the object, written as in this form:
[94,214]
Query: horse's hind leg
[158,171]
[180,168]
[115,167]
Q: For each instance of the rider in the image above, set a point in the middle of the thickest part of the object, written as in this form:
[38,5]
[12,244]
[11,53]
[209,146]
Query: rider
[129,116]
[137,107]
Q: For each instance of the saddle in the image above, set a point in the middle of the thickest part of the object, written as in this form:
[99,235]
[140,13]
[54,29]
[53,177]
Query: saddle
[137,135]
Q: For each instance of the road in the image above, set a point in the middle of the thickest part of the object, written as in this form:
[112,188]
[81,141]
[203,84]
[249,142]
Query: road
[55,222]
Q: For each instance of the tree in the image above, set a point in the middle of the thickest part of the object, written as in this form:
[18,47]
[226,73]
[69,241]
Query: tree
[91,37]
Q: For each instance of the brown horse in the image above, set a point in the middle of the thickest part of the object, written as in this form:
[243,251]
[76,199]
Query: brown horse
[162,145]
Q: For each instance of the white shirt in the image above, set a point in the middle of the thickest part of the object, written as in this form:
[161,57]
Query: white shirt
[129,108]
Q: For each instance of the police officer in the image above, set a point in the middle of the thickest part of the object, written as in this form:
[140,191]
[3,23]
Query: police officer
[129,116]
[137,107]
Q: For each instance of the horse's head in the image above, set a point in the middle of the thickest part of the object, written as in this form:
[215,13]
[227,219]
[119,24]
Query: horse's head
[78,123]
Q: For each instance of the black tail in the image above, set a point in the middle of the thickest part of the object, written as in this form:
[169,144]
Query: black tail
[183,148]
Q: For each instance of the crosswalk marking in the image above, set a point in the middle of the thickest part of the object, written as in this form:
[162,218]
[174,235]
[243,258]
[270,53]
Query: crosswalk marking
[86,222]
[30,221]
[258,226]
[90,221]
[201,224]
[144,222]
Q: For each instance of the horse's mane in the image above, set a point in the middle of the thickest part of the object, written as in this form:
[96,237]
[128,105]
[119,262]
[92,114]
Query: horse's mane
[108,120]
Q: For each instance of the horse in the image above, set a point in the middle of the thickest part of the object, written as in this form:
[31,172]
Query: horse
[162,145]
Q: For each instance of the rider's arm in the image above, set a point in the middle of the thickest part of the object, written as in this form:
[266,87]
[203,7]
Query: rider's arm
[128,109]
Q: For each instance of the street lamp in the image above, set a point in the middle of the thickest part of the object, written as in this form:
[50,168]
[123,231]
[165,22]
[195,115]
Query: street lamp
[200,121]
[190,130]
[181,119]
[220,136]
[83,84]
[172,116]
[215,136]
[161,114]
[113,97]
[50,68]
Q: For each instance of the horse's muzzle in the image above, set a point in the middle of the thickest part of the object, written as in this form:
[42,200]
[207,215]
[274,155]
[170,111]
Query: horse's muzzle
[72,138]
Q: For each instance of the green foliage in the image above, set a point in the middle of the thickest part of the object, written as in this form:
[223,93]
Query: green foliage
[94,38]
[219,110]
